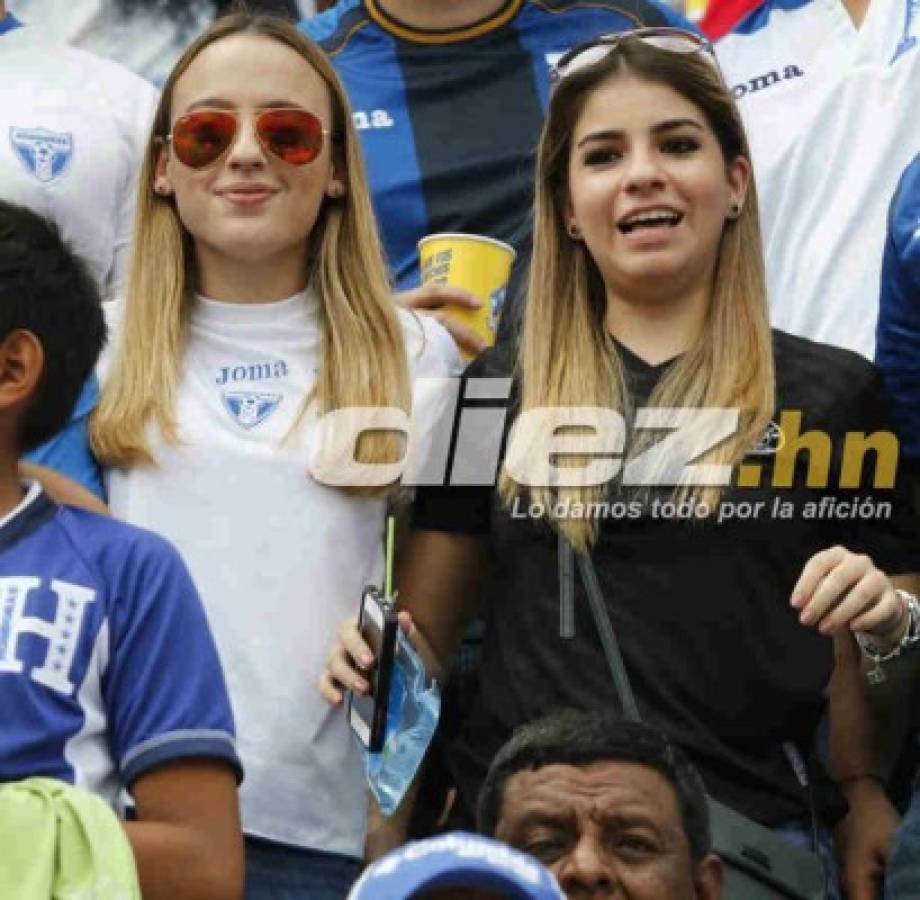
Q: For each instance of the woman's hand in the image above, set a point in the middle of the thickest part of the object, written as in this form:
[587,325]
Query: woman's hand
[839,589]
[347,665]
[437,300]
[351,660]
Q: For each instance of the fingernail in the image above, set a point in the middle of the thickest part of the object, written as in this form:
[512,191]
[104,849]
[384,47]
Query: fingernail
[367,660]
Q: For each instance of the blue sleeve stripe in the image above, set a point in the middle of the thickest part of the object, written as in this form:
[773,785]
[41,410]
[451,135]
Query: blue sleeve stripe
[174,745]
[9,23]
[759,18]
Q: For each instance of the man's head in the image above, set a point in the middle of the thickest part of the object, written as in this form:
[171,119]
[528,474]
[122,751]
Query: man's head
[51,328]
[609,806]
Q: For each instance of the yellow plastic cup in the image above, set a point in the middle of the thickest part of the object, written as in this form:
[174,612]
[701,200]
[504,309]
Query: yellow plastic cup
[480,265]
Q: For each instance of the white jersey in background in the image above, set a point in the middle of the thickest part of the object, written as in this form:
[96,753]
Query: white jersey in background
[73,128]
[147,38]
[279,559]
[833,117]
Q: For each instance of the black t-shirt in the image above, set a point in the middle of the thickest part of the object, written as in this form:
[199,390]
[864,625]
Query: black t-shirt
[715,653]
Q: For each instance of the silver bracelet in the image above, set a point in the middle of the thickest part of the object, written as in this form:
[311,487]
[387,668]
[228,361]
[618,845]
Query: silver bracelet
[909,640]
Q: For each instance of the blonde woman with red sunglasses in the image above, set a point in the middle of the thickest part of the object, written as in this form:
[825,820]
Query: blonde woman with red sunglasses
[258,299]
[734,602]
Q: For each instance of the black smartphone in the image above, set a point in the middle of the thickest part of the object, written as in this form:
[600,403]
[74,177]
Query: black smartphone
[367,713]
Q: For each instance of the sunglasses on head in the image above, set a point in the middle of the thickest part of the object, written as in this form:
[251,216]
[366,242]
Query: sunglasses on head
[200,138]
[672,40]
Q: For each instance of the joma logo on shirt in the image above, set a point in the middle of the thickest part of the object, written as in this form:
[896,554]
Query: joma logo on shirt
[768,79]
[62,633]
[253,372]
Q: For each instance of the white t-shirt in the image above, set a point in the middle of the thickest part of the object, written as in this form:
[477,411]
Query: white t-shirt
[73,128]
[279,559]
[831,112]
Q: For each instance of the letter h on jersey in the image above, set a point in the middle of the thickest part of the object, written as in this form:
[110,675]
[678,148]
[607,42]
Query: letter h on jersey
[62,633]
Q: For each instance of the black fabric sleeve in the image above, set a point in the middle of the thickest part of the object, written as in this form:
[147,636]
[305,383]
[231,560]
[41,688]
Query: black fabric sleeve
[458,510]
[462,509]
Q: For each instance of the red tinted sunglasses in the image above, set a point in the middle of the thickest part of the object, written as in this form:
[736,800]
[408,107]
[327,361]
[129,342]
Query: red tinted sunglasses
[200,138]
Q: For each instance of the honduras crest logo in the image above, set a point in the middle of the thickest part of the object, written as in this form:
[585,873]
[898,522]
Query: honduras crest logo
[45,154]
[250,409]
[771,442]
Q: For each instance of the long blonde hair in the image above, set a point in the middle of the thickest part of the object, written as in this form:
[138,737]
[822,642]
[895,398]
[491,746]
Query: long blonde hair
[344,262]
[565,357]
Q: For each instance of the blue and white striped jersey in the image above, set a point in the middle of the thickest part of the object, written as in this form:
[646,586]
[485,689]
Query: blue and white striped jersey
[107,665]
[449,120]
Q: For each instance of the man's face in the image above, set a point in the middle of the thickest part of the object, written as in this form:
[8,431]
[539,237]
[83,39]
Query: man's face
[608,829]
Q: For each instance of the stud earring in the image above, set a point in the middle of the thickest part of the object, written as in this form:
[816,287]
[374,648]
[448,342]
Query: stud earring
[734,209]
[573,231]
[336,189]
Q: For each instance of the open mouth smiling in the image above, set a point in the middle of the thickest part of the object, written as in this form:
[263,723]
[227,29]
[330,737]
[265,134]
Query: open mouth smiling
[649,218]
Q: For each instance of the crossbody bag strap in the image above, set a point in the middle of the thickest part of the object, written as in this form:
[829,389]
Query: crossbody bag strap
[608,638]
[566,589]
[618,666]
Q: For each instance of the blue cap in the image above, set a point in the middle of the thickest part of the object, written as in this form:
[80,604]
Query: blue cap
[456,860]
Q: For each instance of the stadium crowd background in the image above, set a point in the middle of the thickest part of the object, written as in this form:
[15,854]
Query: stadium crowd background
[147,36]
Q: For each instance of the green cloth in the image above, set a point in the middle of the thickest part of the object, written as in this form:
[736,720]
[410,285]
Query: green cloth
[62,843]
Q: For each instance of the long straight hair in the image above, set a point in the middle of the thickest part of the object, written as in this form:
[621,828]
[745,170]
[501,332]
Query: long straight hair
[565,356]
[363,354]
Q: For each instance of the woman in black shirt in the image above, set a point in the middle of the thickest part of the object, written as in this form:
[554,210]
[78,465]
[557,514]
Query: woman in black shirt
[721,559]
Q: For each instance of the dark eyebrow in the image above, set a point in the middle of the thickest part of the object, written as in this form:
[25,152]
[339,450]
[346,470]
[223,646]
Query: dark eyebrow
[613,134]
[216,103]
[622,819]
[537,818]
